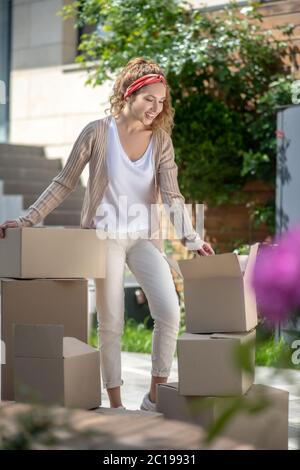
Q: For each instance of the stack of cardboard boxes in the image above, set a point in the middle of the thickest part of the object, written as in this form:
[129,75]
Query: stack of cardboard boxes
[44,295]
[216,355]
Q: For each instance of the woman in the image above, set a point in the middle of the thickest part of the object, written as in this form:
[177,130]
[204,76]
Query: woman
[131,157]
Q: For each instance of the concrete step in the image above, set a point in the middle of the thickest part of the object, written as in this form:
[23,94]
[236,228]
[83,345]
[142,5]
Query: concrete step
[20,150]
[38,174]
[25,173]
[63,217]
[29,162]
[31,187]
[72,202]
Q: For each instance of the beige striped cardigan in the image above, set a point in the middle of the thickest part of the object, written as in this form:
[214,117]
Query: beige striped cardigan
[90,147]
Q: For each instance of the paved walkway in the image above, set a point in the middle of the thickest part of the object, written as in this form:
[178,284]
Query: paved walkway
[137,373]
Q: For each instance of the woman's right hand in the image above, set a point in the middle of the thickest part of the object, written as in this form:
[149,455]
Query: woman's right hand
[7,224]
[206,250]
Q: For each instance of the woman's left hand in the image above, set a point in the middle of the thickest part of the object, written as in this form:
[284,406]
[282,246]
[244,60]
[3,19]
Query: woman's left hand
[205,250]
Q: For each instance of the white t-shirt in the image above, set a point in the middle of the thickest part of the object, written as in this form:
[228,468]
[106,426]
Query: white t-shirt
[126,203]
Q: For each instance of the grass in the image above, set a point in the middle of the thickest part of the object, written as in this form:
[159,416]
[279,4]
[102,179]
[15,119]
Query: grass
[138,338]
[273,353]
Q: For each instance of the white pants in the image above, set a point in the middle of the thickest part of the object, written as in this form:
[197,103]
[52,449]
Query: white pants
[153,273]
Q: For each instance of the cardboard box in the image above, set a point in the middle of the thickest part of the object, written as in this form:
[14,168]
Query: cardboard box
[51,252]
[52,369]
[40,301]
[218,295]
[207,364]
[266,429]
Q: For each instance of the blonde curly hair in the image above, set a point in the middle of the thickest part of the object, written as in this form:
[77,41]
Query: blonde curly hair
[134,69]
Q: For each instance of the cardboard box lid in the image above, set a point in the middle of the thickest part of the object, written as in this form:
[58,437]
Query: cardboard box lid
[255,389]
[173,385]
[216,336]
[43,341]
[222,265]
[237,335]
[74,347]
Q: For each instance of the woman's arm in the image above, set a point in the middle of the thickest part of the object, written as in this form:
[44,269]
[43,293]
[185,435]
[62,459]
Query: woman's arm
[171,195]
[65,182]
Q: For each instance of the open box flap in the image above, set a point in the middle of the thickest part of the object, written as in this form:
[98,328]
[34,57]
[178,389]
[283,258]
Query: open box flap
[203,267]
[222,265]
[251,262]
[243,260]
[75,347]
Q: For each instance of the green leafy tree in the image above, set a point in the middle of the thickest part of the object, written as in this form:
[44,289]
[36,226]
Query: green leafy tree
[227,76]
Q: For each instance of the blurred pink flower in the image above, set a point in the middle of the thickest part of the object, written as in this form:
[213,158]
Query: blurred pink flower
[276,276]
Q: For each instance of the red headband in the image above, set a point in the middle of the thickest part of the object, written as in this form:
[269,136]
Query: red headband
[142,81]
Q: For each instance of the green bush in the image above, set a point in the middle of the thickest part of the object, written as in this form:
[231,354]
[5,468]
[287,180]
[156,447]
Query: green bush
[273,353]
[227,75]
